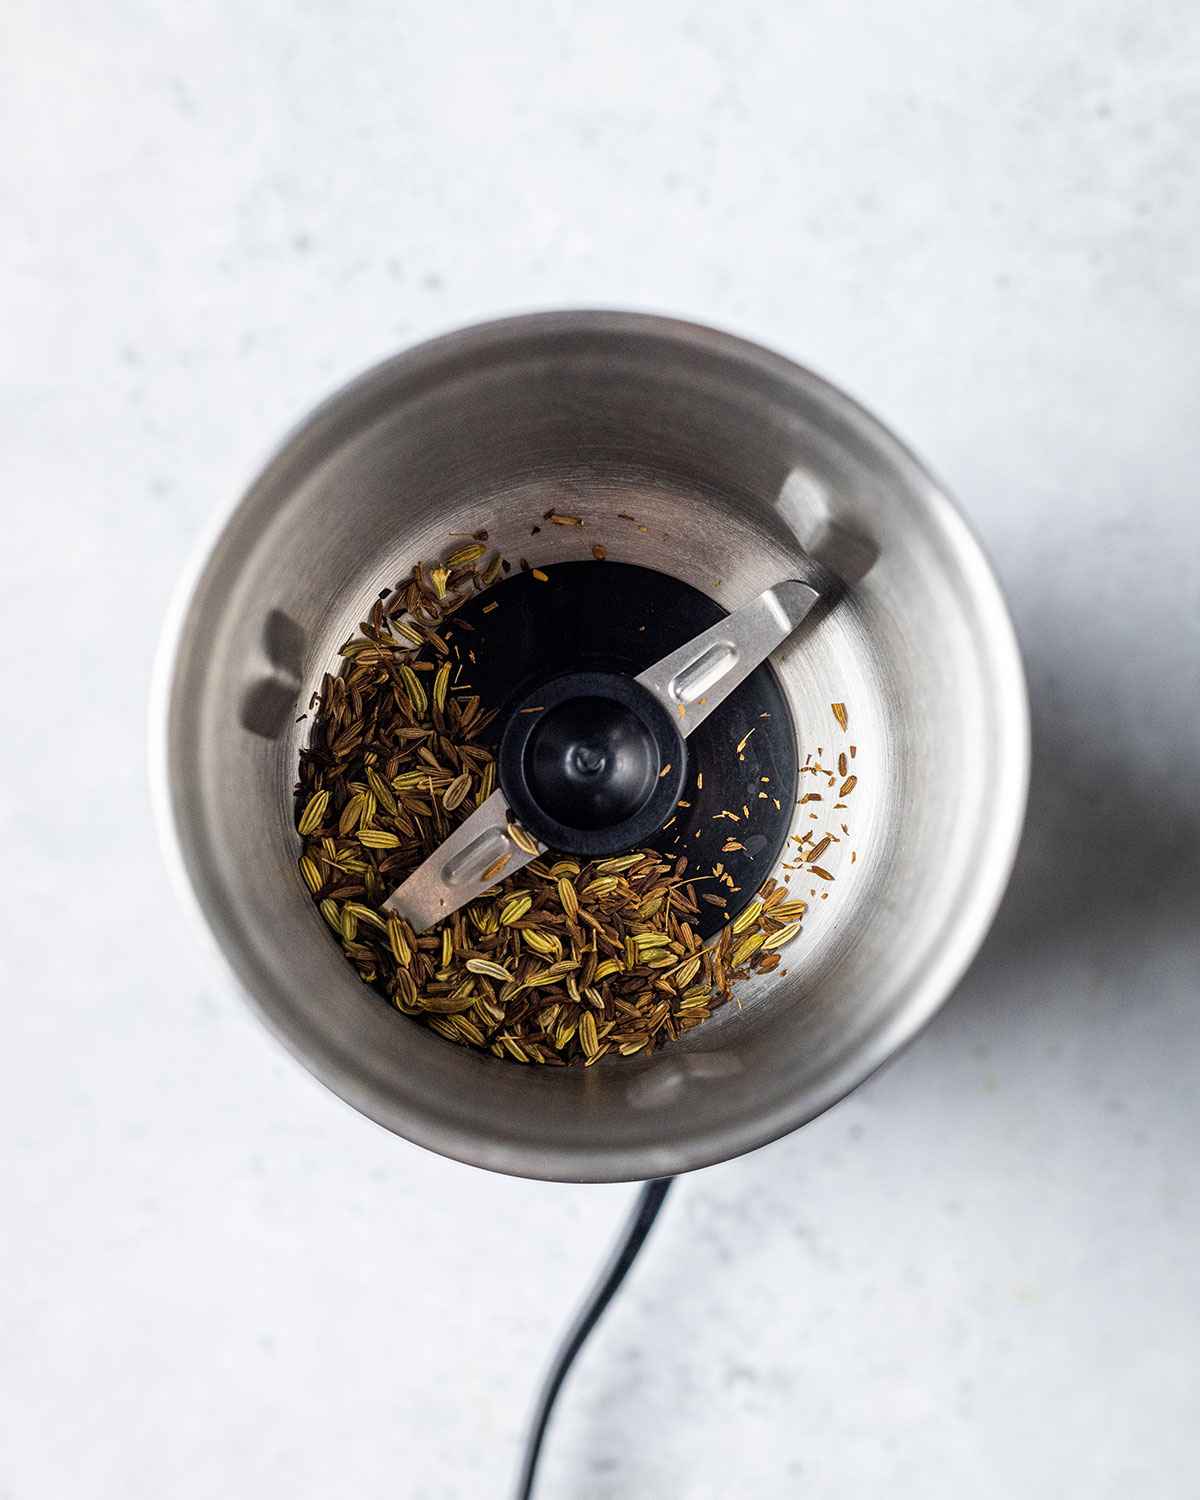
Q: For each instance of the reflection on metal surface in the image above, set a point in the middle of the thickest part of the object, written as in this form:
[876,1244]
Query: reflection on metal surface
[665,1084]
[825,527]
[704,673]
[270,700]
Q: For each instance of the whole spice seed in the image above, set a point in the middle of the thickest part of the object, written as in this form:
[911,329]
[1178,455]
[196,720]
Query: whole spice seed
[314,811]
[353,813]
[524,841]
[568,898]
[456,791]
[440,684]
[412,686]
[486,966]
[398,941]
[748,917]
[781,936]
[378,838]
[514,909]
[565,961]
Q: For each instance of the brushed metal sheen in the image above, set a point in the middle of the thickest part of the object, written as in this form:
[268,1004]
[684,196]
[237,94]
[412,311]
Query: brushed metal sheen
[735,461]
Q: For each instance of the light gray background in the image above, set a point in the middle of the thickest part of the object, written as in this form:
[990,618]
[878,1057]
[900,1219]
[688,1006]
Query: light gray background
[979,1276]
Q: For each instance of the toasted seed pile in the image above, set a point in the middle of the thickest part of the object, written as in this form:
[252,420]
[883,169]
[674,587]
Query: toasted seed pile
[565,961]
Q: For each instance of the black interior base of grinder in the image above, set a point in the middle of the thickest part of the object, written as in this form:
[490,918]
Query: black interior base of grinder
[595,766]
[739,787]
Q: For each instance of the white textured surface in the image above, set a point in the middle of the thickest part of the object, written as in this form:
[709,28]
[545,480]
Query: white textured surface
[976,1277]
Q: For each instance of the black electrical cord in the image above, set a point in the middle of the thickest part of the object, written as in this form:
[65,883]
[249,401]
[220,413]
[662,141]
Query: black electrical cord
[624,1253]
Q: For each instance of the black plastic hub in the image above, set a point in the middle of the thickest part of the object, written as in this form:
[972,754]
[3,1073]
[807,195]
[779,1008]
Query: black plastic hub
[592,763]
[615,617]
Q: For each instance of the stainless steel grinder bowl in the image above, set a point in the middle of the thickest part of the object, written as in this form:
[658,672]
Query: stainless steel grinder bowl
[736,463]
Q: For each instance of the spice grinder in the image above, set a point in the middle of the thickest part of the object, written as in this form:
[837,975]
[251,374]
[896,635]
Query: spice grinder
[702,471]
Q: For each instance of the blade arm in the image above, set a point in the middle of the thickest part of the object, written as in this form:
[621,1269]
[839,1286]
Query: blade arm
[480,852]
[697,678]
